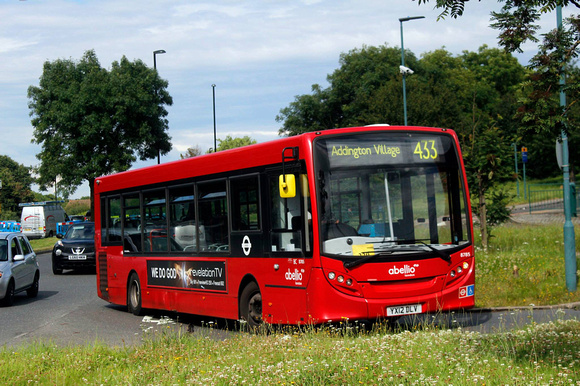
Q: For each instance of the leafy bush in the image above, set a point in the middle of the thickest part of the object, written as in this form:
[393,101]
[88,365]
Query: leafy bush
[498,211]
[77,207]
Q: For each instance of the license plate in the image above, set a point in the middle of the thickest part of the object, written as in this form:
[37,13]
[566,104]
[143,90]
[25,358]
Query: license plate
[27,229]
[77,257]
[404,310]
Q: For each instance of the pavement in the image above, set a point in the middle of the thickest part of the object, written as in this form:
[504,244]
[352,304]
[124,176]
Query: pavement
[520,214]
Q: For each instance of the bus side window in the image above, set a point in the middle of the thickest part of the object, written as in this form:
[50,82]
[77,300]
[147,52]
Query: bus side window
[245,203]
[155,228]
[131,223]
[111,219]
[213,215]
[182,219]
[286,219]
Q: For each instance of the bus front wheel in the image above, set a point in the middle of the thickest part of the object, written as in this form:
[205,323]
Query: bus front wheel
[134,295]
[251,305]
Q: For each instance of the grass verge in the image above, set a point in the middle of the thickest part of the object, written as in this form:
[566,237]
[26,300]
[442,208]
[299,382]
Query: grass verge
[524,265]
[43,245]
[538,354]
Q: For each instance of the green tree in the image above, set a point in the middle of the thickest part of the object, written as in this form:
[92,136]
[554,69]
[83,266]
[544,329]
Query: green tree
[473,93]
[230,142]
[90,121]
[540,109]
[16,181]
[515,21]
[367,77]
[191,152]
[538,104]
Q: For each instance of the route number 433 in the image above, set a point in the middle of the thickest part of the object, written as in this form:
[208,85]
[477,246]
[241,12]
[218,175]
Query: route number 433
[426,149]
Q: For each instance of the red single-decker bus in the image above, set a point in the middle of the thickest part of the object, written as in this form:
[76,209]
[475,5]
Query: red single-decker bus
[359,223]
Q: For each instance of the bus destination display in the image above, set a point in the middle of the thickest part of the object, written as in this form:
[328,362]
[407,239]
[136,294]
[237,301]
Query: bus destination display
[347,152]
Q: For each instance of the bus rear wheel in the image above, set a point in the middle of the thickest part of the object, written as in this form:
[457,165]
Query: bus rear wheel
[134,295]
[251,305]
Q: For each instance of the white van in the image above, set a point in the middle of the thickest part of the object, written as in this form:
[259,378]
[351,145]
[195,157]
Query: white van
[39,219]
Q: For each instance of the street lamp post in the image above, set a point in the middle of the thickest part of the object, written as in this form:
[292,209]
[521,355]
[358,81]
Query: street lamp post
[570,264]
[155,53]
[214,127]
[403,70]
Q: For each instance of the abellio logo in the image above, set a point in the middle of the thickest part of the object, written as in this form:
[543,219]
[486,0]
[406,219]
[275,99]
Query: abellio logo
[294,276]
[407,270]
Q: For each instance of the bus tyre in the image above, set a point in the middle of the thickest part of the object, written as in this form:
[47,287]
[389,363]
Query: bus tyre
[251,305]
[134,295]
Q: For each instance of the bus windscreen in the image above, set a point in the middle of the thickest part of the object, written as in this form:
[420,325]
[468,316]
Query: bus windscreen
[390,194]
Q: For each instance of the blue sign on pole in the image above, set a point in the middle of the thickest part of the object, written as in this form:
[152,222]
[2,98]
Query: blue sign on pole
[524,154]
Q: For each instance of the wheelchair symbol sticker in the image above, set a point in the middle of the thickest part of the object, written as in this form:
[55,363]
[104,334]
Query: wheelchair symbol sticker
[467,291]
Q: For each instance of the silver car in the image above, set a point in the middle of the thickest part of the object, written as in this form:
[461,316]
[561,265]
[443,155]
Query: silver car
[19,269]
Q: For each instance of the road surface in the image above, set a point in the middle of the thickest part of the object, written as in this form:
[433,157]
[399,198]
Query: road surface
[68,311]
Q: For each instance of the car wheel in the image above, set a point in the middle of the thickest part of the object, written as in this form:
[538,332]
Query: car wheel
[134,295]
[32,292]
[251,305]
[55,268]
[9,298]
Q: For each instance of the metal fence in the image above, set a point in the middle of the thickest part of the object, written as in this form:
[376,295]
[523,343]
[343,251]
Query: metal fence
[543,197]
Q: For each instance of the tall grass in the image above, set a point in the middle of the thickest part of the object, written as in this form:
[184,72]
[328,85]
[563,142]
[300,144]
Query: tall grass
[524,265]
[539,354]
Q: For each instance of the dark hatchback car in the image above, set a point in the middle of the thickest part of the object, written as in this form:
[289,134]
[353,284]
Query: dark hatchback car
[76,249]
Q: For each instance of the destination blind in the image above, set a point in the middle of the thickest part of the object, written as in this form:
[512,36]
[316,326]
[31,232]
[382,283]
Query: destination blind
[353,151]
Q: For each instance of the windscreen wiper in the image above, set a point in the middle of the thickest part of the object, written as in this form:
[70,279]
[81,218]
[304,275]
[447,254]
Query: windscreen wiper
[438,252]
[365,259]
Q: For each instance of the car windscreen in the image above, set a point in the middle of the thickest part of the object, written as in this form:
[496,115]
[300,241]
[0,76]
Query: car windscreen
[81,232]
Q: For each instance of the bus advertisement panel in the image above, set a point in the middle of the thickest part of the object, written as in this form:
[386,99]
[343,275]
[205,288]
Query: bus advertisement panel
[360,223]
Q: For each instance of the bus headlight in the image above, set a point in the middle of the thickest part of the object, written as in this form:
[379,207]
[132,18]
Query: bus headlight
[344,283]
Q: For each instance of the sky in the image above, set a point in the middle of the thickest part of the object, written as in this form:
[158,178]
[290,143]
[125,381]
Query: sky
[260,54]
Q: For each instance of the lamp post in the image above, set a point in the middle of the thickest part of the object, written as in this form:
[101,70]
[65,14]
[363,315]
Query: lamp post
[569,237]
[214,128]
[404,70]
[155,53]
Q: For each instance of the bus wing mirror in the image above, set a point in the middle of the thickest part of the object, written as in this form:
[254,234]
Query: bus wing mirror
[287,185]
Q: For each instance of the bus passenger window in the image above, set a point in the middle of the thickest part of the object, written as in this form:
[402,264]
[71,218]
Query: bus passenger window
[131,223]
[111,219]
[155,228]
[182,219]
[213,215]
[245,203]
